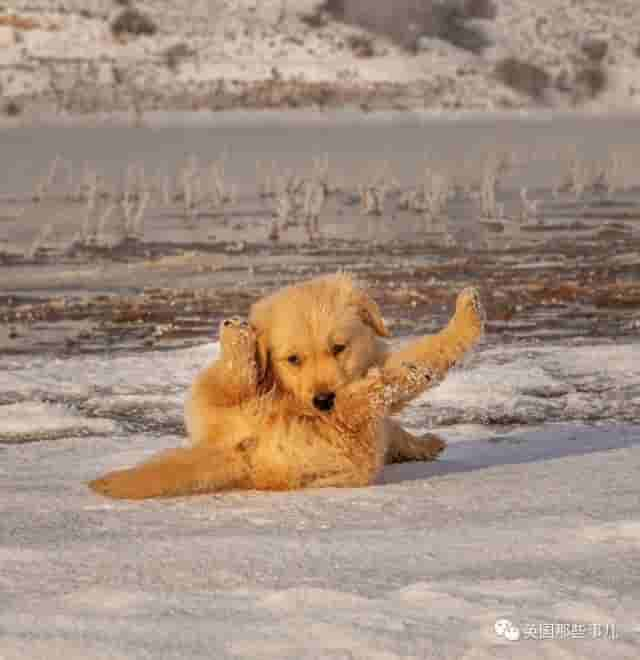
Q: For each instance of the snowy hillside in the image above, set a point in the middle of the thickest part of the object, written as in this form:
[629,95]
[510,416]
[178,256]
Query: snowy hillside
[215,54]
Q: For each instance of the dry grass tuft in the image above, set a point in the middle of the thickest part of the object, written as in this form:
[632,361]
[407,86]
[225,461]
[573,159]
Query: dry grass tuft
[133,21]
[175,54]
[578,175]
[529,208]
[495,166]
[40,241]
[373,194]
[431,197]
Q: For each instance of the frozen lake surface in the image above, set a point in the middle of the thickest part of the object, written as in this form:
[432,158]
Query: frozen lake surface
[531,514]
[356,144]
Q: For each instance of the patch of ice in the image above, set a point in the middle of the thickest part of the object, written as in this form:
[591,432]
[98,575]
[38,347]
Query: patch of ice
[98,599]
[26,422]
[504,386]
[627,531]
[525,386]
[14,554]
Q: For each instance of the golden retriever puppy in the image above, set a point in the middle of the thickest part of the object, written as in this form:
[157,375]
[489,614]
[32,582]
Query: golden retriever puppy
[300,397]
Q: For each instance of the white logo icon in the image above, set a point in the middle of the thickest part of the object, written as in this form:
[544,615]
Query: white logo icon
[504,628]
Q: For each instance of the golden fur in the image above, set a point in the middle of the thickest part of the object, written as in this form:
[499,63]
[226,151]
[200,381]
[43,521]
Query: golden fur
[301,397]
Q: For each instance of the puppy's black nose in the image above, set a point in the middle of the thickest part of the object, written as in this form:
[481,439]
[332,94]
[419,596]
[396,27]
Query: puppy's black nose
[324,401]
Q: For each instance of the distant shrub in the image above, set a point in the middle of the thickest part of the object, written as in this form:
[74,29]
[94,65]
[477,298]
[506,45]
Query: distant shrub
[592,81]
[315,19]
[484,9]
[336,8]
[175,54]
[362,46]
[405,21]
[595,49]
[12,109]
[450,24]
[524,77]
[133,21]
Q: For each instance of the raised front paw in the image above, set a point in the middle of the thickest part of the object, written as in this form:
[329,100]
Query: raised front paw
[469,308]
[237,340]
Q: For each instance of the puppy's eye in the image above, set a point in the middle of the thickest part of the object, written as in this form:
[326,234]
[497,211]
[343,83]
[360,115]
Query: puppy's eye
[294,359]
[338,348]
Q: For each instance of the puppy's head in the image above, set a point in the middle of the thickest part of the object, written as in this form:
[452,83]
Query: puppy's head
[316,336]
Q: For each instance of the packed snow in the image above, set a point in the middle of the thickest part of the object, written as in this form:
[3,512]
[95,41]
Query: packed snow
[530,515]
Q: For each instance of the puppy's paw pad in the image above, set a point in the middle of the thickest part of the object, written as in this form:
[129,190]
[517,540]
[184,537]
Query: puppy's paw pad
[236,333]
[234,322]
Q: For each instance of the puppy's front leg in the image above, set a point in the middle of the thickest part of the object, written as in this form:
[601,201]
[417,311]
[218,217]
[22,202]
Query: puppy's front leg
[368,400]
[216,393]
[440,352]
[233,377]
[359,408]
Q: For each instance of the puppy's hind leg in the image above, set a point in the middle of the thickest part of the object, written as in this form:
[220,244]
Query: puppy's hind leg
[403,446]
[181,471]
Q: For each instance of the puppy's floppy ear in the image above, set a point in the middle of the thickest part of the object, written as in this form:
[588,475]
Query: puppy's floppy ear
[369,312]
[263,357]
[258,317]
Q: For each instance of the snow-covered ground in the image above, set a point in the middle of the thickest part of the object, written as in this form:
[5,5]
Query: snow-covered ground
[227,44]
[530,515]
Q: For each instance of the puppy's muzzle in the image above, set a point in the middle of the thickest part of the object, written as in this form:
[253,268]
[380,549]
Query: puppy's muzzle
[324,401]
